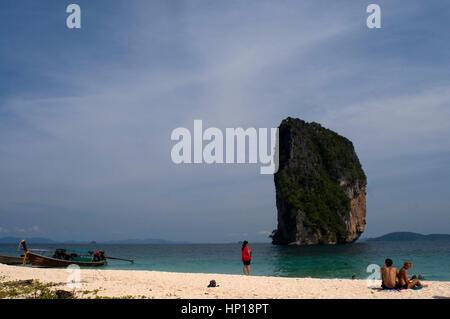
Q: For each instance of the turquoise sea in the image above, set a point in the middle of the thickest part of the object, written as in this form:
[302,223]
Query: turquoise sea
[430,258]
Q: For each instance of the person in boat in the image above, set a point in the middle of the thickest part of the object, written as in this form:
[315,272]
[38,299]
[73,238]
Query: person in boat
[99,256]
[404,281]
[389,275]
[246,257]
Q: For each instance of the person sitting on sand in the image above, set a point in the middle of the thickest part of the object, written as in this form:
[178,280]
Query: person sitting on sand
[389,275]
[404,281]
[246,257]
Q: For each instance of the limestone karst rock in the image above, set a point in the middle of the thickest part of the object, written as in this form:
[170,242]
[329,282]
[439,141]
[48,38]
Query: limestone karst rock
[320,186]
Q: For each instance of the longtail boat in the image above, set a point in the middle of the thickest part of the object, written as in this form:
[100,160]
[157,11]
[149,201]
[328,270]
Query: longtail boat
[12,260]
[62,258]
[40,261]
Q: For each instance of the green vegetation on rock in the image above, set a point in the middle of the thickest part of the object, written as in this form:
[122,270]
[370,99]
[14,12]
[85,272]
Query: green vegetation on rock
[316,166]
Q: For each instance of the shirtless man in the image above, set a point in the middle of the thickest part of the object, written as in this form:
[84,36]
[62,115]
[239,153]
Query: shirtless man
[389,275]
[404,281]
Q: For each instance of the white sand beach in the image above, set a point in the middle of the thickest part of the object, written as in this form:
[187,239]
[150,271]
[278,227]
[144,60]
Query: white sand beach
[155,284]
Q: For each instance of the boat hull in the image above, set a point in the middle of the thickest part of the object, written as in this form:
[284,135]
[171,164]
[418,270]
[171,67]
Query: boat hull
[38,261]
[12,260]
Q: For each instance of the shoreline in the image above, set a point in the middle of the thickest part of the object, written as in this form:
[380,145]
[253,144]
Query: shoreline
[102,283]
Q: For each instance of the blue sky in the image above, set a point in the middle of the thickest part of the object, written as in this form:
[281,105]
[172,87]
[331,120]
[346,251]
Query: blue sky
[86,115]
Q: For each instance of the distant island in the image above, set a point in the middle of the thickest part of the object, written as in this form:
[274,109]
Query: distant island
[39,240]
[408,236]
[144,241]
[34,240]
[395,236]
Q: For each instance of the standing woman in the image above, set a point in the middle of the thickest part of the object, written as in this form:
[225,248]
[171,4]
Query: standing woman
[246,257]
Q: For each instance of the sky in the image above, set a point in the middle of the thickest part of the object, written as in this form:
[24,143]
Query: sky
[86,114]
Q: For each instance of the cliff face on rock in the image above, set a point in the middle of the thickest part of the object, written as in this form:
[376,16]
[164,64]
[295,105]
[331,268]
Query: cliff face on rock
[320,186]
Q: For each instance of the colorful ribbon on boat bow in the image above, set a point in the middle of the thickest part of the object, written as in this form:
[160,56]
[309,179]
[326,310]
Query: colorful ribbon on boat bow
[25,257]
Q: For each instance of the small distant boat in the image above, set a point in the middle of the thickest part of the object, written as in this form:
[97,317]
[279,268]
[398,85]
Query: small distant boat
[12,260]
[62,258]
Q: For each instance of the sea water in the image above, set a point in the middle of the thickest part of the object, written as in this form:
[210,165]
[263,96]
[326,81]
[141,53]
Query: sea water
[430,258]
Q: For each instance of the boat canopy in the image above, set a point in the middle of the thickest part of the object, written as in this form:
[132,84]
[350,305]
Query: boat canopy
[77,251]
